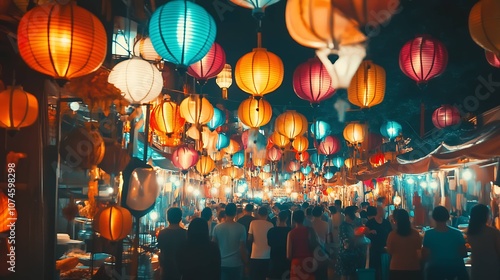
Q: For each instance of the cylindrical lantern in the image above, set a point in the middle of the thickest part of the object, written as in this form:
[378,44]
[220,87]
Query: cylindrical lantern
[423,58]
[492,59]
[166,118]
[205,165]
[184,157]
[140,81]
[445,116]
[182,32]
[145,50]
[367,87]
[232,148]
[63,41]
[354,133]
[222,141]
[82,148]
[210,65]
[238,159]
[196,109]
[113,222]
[484,25]
[312,82]
[274,154]
[279,140]
[329,145]
[300,144]
[291,124]
[255,112]
[390,129]
[320,129]
[18,108]
[218,119]
[225,79]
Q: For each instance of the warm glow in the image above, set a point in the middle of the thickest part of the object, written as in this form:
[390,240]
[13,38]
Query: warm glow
[225,79]
[300,144]
[196,109]
[291,124]
[255,113]
[113,223]
[484,25]
[17,108]
[354,133]
[367,87]
[166,118]
[279,140]
[205,165]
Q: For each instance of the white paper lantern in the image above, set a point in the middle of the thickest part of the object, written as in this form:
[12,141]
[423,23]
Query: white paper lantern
[144,49]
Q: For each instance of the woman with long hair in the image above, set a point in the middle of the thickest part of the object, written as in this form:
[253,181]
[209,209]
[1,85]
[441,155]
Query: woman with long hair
[485,245]
[404,245]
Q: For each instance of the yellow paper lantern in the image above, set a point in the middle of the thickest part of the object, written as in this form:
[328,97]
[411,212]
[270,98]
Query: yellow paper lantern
[205,165]
[367,87]
[225,79]
[233,147]
[166,118]
[255,112]
[113,223]
[17,108]
[279,140]
[63,41]
[259,162]
[291,124]
[196,109]
[300,144]
[484,25]
[354,133]
[350,163]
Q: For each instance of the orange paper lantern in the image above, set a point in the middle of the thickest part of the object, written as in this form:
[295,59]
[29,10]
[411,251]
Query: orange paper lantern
[291,124]
[17,108]
[367,87]
[8,213]
[113,223]
[254,112]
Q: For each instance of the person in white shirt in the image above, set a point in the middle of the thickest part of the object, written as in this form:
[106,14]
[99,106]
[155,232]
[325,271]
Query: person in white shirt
[261,252]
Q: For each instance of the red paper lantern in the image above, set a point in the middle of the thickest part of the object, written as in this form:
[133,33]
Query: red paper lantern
[378,159]
[274,154]
[445,116]
[312,82]
[329,145]
[492,59]
[302,157]
[423,58]
[210,65]
[294,166]
[184,157]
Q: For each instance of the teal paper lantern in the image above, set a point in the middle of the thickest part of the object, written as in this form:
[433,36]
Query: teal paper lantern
[338,162]
[217,120]
[320,129]
[238,159]
[390,129]
[182,32]
[317,159]
[328,175]
[222,141]
[306,170]
[267,168]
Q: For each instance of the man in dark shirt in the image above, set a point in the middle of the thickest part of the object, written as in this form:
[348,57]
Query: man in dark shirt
[245,221]
[276,239]
[379,229]
[169,242]
[362,213]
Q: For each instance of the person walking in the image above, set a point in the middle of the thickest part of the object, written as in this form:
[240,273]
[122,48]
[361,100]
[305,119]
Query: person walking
[349,256]
[261,252]
[169,243]
[322,231]
[276,239]
[299,251]
[379,229]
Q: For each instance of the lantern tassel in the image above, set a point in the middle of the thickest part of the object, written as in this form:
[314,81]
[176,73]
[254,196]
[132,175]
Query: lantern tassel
[224,93]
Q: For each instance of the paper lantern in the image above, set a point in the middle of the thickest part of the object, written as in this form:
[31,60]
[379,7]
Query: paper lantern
[328,175]
[259,72]
[143,190]
[83,148]
[205,165]
[218,119]
[196,109]
[423,58]
[217,156]
[255,112]
[312,82]
[222,141]
[369,12]
[184,157]
[232,148]
[302,157]
[320,129]
[378,159]
[115,158]
[306,170]
[291,124]
[492,59]
[258,162]
[233,172]
[329,145]
[484,24]
[63,41]
[257,6]
[224,80]
[113,223]
[166,118]
[390,129]
[349,163]
[182,32]
[274,154]
[300,144]
[210,65]
[318,159]
[338,162]
[145,50]
[238,159]
[445,116]
[293,166]
[367,87]
[354,133]
[7,214]
[140,81]
[18,108]
[279,140]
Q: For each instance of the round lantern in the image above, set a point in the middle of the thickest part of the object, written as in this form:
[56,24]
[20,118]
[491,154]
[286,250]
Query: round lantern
[484,23]
[378,159]
[238,159]
[492,59]
[18,108]
[184,157]
[367,87]
[182,32]
[390,129]
[140,81]
[445,116]
[222,141]
[257,6]
[255,112]
[258,162]
[328,175]
[217,156]
[82,148]
[338,162]
[349,163]
[113,223]
[293,166]
[291,124]
[279,140]
[354,133]
[225,79]
[329,145]
[259,72]
[369,12]
[115,158]
[320,129]
[6,213]
[318,159]
[232,148]
[143,189]
[300,144]
[423,58]
[274,154]
[196,109]
[205,165]
[306,170]
[63,41]
[145,50]
[218,119]
[210,65]
[302,157]
[233,172]
[312,82]
[166,118]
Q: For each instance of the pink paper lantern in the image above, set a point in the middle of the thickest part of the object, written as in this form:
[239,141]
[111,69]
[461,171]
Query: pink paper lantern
[294,166]
[329,145]
[184,157]
[492,59]
[210,65]
[445,116]
[274,154]
[312,82]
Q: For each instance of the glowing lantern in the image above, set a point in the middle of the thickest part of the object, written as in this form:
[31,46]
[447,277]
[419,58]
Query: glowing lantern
[367,87]
[312,82]
[184,157]
[306,170]
[274,154]
[182,32]
[329,145]
[390,129]
[216,156]
[378,159]
[354,133]
[139,80]
[338,162]
[17,108]
[258,162]
[205,165]
[320,129]
[145,50]
[113,222]
[423,58]
[196,109]
[328,175]
[300,144]
[63,41]
[238,159]
[279,140]
[298,176]
[232,148]
[210,65]
[222,141]
[218,119]
[484,22]
[224,80]
[294,166]
[291,124]
[255,112]
[6,212]
[492,59]
[368,12]
[318,159]
[257,6]
[264,175]
[302,157]
[166,118]
[349,163]
[233,172]
[445,116]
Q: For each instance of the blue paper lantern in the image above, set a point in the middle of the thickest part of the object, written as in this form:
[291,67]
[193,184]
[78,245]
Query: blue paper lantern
[306,170]
[390,129]
[222,141]
[328,175]
[317,159]
[238,159]
[320,129]
[338,162]
[267,168]
[182,32]
[217,120]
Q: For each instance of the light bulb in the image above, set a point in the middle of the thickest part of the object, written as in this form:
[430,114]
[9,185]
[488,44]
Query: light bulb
[153,215]
[423,184]
[74,106]
[190,188]
[196,192]
[433,184]
[410,181]
[466,174]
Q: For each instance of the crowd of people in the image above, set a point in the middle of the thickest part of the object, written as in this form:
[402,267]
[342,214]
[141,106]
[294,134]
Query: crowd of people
[302,242]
